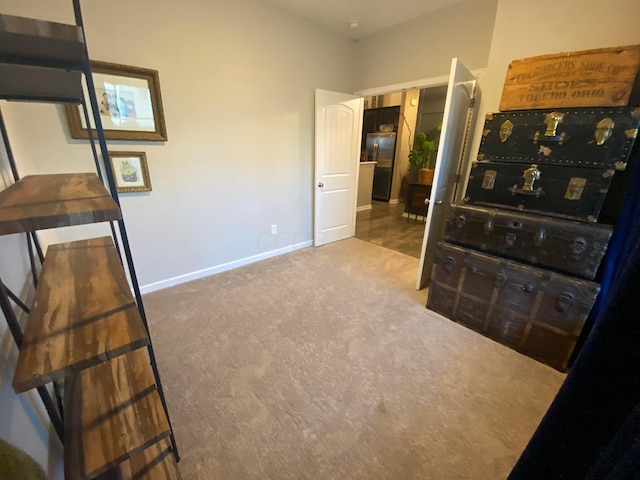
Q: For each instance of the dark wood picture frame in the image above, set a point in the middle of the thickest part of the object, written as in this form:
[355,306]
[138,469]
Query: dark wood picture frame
[142,183]
[111,132]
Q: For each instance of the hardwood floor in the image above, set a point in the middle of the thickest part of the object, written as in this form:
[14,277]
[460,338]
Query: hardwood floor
[385,226]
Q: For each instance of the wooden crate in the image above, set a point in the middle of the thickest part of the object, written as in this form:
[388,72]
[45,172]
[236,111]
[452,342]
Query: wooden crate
[606,77]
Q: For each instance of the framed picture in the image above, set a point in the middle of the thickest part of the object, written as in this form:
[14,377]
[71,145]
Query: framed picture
[130,171]
[129,101]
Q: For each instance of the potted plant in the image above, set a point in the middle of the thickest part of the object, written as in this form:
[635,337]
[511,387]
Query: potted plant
[422,158]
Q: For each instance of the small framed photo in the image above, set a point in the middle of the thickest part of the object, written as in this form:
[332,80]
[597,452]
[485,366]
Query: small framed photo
[129,102]
[130,171]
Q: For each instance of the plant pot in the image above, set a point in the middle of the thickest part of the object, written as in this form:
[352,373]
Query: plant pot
[425,176]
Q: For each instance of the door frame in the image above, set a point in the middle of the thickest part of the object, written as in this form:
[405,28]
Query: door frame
[419,84]
[430,82]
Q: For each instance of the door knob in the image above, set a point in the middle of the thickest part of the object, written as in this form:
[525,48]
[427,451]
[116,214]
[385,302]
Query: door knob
[427,201]
[320,184]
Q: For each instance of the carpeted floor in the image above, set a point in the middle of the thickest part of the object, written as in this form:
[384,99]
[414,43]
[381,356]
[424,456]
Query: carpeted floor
[324,364]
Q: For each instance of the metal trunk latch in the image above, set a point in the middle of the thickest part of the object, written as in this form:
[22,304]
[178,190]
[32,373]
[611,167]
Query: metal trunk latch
[604,130]
[552,120]
[488,227]
[564,302]
[489,179]
[449,263]
[578,246]
[575,188]
[506,129]
[530,176]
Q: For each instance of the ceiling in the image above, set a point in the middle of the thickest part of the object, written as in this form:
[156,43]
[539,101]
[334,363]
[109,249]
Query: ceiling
[371,15]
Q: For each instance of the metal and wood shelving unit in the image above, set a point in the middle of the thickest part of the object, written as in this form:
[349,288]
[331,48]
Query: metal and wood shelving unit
[86,346]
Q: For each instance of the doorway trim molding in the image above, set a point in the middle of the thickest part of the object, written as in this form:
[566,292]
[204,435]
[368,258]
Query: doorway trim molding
[414,84]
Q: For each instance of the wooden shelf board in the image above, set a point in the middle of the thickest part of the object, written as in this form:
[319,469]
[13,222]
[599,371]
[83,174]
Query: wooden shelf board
[28,41]
[113,412]
[36,84]
[154,463]
[83,314]
[38,202]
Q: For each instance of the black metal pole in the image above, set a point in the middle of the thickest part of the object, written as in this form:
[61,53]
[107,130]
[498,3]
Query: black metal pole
[18,337]
[58,395]
[54,416]
[7,146]
[115,242]
[96,160]
[143,316]
[36,242]
[16,300]
[32,262]
[10,316]
[123,231]
[92,142]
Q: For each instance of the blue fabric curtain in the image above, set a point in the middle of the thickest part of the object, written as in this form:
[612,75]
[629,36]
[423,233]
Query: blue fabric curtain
[592,428]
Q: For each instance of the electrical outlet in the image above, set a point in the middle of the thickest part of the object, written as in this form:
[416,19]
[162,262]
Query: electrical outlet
[274,229]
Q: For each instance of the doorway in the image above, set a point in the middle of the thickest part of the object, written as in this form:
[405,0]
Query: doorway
[390,206]
[451,162]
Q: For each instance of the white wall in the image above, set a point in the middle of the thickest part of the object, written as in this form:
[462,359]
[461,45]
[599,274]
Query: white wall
[424,47]
[523,30]
[237,81]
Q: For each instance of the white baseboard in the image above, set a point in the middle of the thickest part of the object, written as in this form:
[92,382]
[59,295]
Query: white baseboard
[187,277]
[364,207]
[394,201]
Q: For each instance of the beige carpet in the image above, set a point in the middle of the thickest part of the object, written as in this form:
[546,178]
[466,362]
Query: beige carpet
[324,364]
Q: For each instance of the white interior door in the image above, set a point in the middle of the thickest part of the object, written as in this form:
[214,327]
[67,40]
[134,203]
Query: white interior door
[455,127]
[338,135]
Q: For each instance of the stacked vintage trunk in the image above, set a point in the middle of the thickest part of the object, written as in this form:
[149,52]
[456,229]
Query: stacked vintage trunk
[521,256]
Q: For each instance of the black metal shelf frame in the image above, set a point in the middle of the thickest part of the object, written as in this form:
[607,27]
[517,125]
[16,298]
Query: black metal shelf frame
[102,163]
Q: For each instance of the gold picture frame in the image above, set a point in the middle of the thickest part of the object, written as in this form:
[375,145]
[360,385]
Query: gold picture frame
[130,171]
[129,101]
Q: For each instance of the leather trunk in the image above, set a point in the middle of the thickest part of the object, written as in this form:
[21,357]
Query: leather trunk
[566,246]
[534,311]
[598,138]
[576,194]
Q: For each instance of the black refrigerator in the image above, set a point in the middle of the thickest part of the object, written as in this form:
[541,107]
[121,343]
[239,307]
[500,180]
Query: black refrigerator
[381,148]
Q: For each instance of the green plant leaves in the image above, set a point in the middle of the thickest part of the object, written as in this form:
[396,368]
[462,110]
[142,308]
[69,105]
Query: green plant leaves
[423,147]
